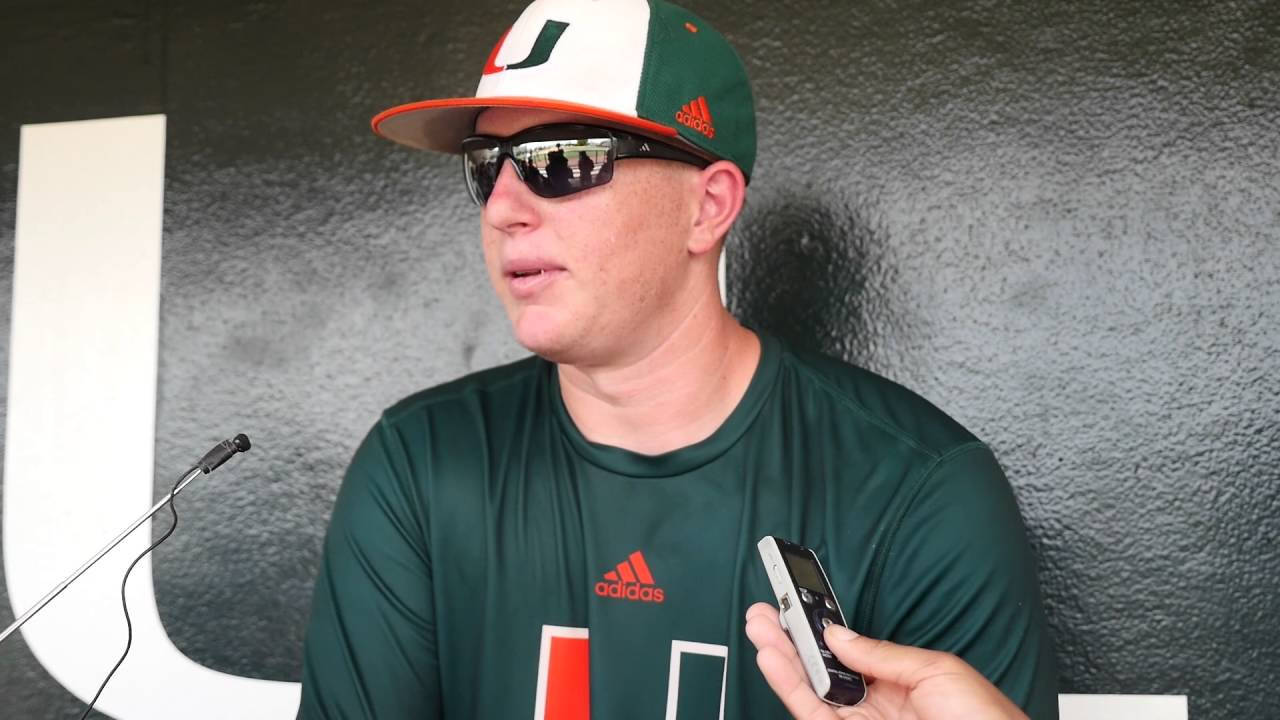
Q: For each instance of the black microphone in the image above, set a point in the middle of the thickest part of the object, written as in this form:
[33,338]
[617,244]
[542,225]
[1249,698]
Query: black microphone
[223,452]
[220,453]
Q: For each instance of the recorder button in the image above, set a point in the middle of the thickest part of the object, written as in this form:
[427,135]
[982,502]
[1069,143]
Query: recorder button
[831,604]
[785,602]
[805,596]
[819,621]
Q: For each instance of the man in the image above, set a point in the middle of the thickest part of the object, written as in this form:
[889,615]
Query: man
[585,166]
[575,533]
[558,169]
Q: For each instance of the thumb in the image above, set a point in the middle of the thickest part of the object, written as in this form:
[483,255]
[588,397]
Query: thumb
[899,664]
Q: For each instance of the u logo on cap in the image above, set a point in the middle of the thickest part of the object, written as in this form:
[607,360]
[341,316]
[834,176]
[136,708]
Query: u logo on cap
[539,54]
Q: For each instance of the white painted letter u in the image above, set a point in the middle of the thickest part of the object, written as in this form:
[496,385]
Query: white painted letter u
[81,422]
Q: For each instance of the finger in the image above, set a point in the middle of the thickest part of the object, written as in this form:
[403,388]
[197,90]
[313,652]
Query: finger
[764,631]
[900,664]
[791,686]
[764,610]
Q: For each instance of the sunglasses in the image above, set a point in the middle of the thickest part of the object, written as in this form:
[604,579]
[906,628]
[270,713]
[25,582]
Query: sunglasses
[558,160]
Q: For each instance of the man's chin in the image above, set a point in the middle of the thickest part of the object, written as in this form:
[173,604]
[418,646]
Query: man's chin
[543,339]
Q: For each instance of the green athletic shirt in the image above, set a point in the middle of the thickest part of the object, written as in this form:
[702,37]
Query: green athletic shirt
[485,560]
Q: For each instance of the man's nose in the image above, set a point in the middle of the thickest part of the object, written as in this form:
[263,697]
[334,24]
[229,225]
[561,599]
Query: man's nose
[511,204]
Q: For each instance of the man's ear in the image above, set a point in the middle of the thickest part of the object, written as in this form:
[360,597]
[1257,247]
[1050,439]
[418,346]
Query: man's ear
[722,190]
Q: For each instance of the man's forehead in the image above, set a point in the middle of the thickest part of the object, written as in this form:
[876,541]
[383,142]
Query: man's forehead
[503,121]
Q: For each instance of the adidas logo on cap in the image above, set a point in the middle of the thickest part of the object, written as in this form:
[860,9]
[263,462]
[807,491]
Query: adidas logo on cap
[696,115]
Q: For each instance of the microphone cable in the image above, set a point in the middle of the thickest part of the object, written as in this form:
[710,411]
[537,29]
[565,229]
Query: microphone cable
[124,602]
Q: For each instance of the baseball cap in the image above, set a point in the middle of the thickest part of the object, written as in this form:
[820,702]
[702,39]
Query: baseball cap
[643,65]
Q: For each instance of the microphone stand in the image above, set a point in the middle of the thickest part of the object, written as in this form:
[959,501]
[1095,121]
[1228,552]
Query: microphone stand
[210,462]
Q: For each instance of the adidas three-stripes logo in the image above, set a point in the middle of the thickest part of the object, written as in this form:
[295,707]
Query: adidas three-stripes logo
[630,580]
[697,115]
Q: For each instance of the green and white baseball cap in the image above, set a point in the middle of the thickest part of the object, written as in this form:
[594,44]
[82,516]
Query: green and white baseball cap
[643,65]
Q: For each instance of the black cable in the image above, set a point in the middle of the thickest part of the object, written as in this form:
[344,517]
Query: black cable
[124,602]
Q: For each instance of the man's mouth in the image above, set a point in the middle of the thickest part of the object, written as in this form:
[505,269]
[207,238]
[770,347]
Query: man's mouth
[527,282]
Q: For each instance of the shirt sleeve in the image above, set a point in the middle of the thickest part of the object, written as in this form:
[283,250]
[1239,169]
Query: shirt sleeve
[960,576]
[370,649]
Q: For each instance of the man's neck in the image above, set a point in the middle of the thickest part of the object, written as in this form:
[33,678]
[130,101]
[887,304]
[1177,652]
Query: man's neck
[673,396]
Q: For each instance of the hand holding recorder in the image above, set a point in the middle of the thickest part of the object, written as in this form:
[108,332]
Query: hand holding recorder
[816,665]
[908,682]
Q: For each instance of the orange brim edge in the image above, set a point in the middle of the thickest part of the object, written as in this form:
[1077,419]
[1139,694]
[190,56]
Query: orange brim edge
[525,102]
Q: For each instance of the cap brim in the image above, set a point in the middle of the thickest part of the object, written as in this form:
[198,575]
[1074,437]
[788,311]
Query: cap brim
[441,125]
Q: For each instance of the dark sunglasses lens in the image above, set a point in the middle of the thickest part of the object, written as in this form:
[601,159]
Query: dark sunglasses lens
[555,166]
[482,165]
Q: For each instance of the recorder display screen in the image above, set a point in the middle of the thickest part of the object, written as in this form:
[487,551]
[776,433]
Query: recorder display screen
[805,572]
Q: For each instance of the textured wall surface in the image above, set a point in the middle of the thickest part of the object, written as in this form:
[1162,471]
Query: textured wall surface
[1058,222]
